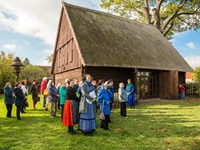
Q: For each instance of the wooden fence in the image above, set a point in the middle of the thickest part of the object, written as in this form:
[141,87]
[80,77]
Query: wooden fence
[192,89]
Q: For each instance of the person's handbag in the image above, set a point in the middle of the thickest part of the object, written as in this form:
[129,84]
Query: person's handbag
[46,93]
[102,116]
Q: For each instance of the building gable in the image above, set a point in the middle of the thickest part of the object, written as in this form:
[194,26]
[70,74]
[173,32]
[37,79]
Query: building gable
[66,51]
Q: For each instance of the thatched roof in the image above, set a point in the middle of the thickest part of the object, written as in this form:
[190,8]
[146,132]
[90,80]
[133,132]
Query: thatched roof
[109,40]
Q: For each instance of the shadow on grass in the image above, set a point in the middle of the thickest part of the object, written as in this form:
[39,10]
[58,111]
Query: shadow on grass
[145,128]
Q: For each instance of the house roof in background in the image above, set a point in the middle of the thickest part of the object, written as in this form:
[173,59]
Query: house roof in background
[189,75]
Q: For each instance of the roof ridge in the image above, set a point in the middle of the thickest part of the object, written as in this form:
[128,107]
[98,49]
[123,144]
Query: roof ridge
[108,14]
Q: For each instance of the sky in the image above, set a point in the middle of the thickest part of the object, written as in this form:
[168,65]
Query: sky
[28,30]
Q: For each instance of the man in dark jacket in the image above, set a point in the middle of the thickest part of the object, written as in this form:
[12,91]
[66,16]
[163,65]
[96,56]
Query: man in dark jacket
[19,99]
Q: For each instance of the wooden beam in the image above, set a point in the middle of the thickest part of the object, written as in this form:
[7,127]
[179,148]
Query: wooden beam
[135,80]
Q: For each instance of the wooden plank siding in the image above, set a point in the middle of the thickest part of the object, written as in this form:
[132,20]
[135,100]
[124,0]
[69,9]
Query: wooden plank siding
[66,51]
[168,84]
[106,73]
[75,74]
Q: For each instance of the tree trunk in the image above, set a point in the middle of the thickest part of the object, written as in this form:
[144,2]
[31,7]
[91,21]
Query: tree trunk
[156,18]
[146,15]
[146,12]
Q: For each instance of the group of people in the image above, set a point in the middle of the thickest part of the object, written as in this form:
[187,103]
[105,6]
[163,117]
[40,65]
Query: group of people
[19,96]
[78,101]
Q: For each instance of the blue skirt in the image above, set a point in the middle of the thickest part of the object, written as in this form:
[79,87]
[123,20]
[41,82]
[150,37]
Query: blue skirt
[87,122]
[131,99]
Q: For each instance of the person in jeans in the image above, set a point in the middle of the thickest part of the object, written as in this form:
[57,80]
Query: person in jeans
[104,101]
[53,98]
[19,99]
[62,93]
[123,98]
[42,88]
[181,92]
[8,99]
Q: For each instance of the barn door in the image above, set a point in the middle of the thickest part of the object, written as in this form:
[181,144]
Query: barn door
[147,84]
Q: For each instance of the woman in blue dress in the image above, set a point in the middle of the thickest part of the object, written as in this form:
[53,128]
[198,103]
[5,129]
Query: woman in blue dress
[130,89]
[87,108]
[104,101]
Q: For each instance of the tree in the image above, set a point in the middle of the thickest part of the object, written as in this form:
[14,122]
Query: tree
[196,75]
[31,72]
[50,58]
[168,16]
[26,62]
[6,71]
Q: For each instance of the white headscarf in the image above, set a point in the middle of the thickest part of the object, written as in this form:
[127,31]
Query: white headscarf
[49,84]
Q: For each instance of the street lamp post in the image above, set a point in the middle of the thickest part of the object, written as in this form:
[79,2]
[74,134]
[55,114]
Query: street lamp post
[17,64]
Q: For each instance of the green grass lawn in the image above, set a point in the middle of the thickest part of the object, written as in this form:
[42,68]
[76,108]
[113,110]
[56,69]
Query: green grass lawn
[160,124]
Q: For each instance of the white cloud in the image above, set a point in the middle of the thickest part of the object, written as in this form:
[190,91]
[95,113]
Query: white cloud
[10,47]
[47,52]
[37,18]
[33,18]
[191,45]
[193,61]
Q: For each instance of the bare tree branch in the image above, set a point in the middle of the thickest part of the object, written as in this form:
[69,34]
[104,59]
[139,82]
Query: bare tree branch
[167,31]
[158,4]
[184,21]
[189,13]
[168,20]
[137,10]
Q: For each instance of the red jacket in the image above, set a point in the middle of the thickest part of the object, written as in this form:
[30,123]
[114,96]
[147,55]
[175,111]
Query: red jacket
[182,89]
[43,86]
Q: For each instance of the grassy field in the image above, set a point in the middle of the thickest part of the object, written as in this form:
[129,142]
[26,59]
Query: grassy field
[160,124]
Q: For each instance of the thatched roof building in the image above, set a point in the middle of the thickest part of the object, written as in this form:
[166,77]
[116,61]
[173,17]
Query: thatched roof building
[108,46]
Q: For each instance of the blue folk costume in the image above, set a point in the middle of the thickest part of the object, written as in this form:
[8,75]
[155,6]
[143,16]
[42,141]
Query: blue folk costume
[87,110]
[131,97]
[104,98]
[111,89]
[104,101]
